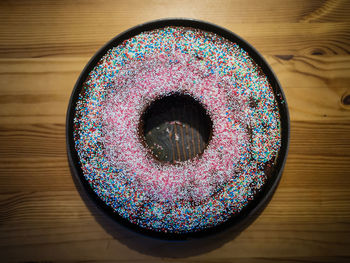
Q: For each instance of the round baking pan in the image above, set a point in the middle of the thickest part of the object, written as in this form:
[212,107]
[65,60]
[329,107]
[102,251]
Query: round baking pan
[270,185]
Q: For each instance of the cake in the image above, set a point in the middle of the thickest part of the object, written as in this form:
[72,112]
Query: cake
[165,66]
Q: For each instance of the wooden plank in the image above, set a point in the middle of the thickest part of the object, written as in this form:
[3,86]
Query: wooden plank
[48,140]
[221,10]
[69,28]
[268,38]
[52,173]
[63,221]
[308,82]
[40,208]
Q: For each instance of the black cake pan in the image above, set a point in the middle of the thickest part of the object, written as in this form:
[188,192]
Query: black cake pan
[262,198]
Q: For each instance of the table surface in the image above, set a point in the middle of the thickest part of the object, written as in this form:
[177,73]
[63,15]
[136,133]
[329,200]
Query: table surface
[44,216]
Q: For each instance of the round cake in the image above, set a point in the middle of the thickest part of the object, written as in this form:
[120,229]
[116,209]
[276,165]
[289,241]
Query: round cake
[167,82]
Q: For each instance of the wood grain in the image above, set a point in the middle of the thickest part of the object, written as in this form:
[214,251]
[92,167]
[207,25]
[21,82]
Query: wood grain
[44,216]
[71,28]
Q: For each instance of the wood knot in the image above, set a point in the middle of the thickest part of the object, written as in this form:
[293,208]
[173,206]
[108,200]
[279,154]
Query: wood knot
[285,57]
[345,100]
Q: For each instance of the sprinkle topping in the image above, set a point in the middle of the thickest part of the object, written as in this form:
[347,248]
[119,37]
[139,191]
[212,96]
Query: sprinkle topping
[199,193]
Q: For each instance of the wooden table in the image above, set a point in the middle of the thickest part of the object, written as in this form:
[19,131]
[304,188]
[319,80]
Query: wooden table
[44,45]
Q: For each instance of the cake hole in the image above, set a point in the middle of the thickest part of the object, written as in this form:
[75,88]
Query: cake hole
[175,128]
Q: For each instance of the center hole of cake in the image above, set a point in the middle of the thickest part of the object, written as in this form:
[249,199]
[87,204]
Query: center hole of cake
[175,128]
